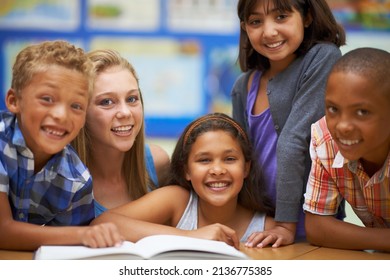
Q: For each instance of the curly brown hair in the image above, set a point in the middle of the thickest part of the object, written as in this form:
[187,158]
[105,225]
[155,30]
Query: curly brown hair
[37,58]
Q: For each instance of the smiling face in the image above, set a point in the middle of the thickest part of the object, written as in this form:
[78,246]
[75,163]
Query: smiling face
[358,115]
[115,115]
[275,34]
[216,167]
[50,110]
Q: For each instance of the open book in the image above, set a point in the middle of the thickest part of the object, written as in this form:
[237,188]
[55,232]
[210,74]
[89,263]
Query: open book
[152,247]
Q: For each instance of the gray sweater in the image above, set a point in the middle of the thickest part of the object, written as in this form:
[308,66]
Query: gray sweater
[296,100]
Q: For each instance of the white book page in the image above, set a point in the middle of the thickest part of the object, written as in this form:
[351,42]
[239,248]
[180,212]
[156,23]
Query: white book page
[80,252]
[145,248]
[156,244]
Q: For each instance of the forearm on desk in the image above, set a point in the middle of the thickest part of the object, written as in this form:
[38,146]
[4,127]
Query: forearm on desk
[330,232]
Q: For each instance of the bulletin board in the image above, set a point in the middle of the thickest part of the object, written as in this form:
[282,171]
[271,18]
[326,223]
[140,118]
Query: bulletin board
[367,22]
[184,51]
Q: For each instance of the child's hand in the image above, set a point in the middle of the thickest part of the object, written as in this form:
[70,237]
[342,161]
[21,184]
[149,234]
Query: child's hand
[101,235]
[216,232]
[281,234]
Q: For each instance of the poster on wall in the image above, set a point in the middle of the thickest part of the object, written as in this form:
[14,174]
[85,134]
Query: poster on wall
[367,22]
[123,15]
[55,15]
[206,16]
[360,15]
[221,75]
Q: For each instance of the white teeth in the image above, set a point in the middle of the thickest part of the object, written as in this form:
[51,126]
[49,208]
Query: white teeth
[217,185]
[348,142]
[122,128]
[54,132]
[274,45]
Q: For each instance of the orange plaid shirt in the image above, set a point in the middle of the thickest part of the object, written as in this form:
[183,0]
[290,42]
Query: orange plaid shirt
[332,178]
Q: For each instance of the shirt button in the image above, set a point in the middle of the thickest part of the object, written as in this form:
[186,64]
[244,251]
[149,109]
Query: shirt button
[276,127]
[21,216]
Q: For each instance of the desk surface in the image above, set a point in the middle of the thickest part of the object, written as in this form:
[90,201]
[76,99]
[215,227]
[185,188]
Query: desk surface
[297,251]
[15,255]
[305,251]
[282,253]
[322,253]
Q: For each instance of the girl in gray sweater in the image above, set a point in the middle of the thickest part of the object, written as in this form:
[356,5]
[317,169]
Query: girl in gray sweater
[286,51]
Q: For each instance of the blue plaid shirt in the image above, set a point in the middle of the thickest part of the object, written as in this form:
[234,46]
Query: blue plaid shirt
[59,194]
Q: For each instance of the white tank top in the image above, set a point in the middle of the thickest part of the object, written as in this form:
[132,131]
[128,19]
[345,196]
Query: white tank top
[189,219]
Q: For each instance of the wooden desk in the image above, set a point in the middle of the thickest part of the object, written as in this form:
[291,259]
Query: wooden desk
[297,251]
[15,255]
[282,253]
[305,251]
[323,253]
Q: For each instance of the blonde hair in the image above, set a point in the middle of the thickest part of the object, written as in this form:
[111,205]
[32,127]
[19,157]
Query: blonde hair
[134,166]
[38,58]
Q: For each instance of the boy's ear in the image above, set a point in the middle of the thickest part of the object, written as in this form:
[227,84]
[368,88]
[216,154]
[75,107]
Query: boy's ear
[11,101]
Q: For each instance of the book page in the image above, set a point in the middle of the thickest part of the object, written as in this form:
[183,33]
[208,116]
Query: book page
[155,245]
[81,252]
[151,247]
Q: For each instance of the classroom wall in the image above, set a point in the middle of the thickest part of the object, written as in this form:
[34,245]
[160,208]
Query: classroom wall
[185,51]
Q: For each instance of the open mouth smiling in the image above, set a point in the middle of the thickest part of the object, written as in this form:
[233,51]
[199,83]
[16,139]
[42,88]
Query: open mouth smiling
[122,129]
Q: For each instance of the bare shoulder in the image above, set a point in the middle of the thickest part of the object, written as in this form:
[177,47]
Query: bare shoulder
[159,154]
[165,194]
[161,161]
[170,191]
[161,208]
[169,203]
[173,195]
[178,197]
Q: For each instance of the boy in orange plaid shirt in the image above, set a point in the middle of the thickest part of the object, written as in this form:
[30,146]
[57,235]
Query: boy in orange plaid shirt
[350,155]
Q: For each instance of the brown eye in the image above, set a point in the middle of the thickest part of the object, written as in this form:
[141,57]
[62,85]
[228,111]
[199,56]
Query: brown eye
[77,106]
[332,109]
[362,112]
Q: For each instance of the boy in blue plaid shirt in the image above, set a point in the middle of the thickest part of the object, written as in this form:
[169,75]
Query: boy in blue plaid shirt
[42,180]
